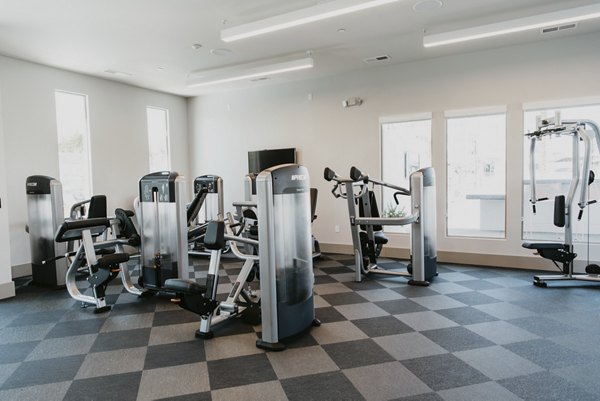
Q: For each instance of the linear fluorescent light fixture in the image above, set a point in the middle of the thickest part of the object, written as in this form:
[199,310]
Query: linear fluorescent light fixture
[303,16]
[516,25]
[248,72]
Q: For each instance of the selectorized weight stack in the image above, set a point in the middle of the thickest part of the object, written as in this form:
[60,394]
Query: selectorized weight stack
[163,226]
[285,254]
[44,215]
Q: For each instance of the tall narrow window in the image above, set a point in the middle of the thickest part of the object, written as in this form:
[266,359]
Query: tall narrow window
[158,139]
[74,159]
[405,148]
[553,173]
[476,171]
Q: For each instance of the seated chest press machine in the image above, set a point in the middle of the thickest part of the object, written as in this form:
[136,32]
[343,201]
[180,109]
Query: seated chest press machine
[286,305]
[104,259]
[366,226]
[587,132]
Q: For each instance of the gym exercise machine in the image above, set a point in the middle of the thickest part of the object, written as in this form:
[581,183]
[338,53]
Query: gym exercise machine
[587,132]
[286,277]
[285,251]
[163,229]
[208,193]
[367,236]
[247,209]
[102,259]
[44,216]
[202,299]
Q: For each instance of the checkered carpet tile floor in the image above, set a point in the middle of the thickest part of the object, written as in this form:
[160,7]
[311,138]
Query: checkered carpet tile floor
[473,334]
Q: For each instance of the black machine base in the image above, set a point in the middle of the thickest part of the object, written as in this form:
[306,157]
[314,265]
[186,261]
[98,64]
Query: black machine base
[275,347]
[103,309]
[206,336]
[418,283]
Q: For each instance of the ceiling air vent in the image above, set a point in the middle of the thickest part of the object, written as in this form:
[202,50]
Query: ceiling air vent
[377,59]
[551,29]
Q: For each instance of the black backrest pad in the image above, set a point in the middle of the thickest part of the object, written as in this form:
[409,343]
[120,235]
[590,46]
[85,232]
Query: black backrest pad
[97,206]
[71,230]
[374,210]
[215,235]
[194,207]
[559,211]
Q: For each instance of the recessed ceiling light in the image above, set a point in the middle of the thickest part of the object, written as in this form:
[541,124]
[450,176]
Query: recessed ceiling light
[196,46]
[562,17]
[247,72]
[220,52]
[342,30]
[318,12]
[427,5]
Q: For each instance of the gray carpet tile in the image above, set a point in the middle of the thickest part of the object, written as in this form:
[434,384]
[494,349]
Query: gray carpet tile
[475,333]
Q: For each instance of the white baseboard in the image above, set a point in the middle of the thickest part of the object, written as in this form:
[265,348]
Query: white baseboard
[21,270]
[477,259]
[7,290]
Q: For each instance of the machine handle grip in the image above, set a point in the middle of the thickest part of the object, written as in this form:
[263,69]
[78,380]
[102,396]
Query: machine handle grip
[356,174]
[329,174]
[580,215]
[68,254]
[334,190]
[396,196]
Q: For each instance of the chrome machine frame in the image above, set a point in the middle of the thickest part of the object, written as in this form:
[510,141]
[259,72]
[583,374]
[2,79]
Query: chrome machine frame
[580,130]
[163,229]
[203,299]
[86,256]
[422,220]
[44,215]
[286,274]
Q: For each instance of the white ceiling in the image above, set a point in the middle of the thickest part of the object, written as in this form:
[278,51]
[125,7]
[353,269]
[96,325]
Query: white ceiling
[139,36]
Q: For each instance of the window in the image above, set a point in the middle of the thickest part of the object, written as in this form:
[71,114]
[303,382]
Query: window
[158,139]
[476,171]
[74,161]
[553,168]
[405,148]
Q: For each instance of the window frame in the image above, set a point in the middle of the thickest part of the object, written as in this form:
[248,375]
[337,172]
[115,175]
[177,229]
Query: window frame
[167,137]
[399,119]
[501,110]
[87,139]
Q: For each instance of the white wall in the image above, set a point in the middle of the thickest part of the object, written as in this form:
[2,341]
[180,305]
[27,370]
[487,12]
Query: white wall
[223,127]
[119,146]
[7,287]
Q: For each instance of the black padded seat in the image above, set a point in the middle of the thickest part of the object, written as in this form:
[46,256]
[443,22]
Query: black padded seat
[112,261]
[543,245]
[184,286]
[552,250]
[592,269]
[72,230]
[380,238]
